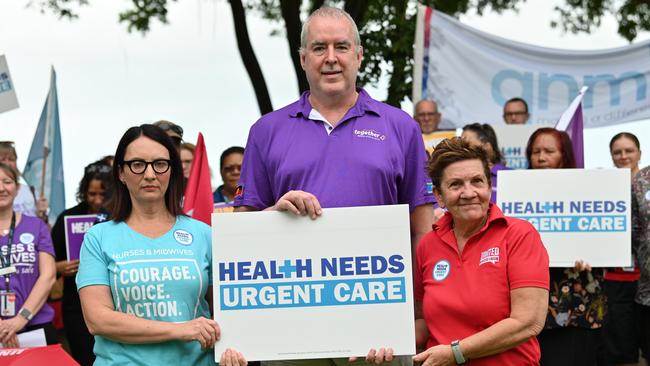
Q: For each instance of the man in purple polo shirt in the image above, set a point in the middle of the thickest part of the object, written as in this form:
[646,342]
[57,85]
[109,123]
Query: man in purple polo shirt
[335,146]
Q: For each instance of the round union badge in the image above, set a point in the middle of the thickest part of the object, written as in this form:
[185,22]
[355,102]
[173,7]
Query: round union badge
[26,238]
[441,270]
[647,195]
[183,237]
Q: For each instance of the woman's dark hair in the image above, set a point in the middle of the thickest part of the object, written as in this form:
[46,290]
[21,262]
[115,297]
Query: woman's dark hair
[630,136]
[96,171]
[486,135]
[228,151]
[453,150]
[107,159]
[121,205]
[564,141]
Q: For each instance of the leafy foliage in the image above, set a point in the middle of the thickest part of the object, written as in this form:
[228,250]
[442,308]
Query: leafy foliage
[143,11]
[578,16]
[62,8]
[388,27]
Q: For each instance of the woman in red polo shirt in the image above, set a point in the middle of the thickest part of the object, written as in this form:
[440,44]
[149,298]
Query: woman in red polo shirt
[481,278]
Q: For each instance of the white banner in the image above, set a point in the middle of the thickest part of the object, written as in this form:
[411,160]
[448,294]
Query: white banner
[8,100]
[471,74]
[512,141]
[580,214]
[288,287]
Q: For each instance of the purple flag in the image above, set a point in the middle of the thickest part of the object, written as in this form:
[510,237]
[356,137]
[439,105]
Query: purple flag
[571,122]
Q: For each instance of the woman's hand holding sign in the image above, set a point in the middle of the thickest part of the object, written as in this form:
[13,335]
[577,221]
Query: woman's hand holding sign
[232,358]
[377,356]
[205,331]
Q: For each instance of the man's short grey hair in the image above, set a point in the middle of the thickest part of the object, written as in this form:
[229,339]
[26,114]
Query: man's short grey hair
[415,106]
[328,11]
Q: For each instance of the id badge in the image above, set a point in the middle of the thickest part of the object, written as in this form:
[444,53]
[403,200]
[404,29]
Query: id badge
[5,271]
[7,303]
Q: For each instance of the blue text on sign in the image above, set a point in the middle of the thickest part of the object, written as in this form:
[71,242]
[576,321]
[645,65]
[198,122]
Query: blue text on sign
[313,293]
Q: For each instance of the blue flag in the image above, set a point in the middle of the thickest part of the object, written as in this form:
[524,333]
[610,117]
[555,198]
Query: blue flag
[44,168]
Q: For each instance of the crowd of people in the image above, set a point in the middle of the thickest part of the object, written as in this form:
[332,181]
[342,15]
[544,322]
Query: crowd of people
[321,152]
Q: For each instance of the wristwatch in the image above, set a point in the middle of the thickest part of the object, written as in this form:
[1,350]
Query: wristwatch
[458,354]
[26,314]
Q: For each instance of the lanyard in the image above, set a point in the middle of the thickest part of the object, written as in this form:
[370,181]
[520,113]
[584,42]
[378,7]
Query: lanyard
[6,259]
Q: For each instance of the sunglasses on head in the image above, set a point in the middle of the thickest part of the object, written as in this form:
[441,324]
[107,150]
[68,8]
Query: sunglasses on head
[98,168]
[174,128]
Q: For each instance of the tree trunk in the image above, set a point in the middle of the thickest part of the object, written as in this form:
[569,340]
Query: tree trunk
[315,4]
[399,58]
[291,15]
[357,10]
[248,57]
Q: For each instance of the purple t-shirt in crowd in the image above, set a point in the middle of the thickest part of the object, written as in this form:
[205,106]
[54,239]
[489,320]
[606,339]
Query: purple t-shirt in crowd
[31,236]
[374,156]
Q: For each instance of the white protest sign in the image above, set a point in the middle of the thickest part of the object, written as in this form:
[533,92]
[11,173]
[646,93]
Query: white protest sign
[512,141]
[288,287]
[580,214]
[8,100]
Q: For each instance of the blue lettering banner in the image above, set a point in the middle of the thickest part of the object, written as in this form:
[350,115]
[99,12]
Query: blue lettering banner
[473,82]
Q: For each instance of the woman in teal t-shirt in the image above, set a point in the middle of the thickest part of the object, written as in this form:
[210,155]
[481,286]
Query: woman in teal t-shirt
[145,277]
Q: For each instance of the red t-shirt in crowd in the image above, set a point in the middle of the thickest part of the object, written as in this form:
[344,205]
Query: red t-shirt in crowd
[463,294]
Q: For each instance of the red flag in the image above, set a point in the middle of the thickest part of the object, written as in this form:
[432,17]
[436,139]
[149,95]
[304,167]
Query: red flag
[198,192]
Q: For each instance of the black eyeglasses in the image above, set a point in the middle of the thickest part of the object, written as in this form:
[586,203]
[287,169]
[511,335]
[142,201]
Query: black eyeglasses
[160,166]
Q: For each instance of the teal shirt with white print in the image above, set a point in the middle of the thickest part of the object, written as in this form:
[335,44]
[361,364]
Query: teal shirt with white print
[163,279]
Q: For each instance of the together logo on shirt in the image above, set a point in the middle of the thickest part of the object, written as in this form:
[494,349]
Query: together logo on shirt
[371,134]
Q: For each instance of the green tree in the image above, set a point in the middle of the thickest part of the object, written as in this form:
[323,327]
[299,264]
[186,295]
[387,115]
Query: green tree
[387,29]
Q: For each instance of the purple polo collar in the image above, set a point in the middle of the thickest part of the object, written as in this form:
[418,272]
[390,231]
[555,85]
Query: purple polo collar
[363,104]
